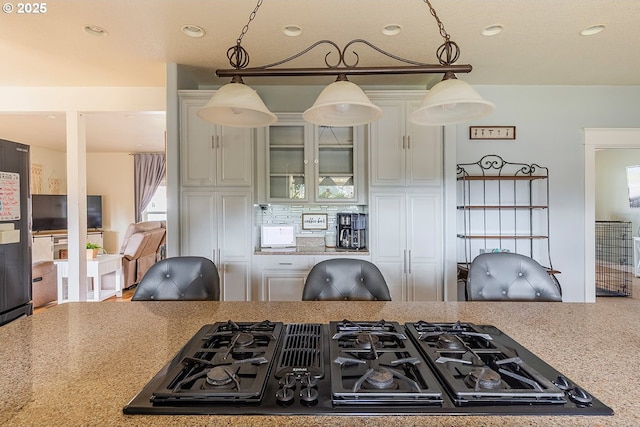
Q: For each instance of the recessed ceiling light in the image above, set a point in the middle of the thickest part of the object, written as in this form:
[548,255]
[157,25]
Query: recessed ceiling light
[492,30]
[391,29]
[292,30]
[592,30]
[94,30]
[50,116]
[193,31]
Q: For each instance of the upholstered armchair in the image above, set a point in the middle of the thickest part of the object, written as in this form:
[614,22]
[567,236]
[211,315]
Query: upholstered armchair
[510,276]
[345,279]
[141,249]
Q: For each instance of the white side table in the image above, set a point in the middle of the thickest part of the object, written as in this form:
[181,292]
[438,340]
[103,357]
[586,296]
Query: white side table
[105,272]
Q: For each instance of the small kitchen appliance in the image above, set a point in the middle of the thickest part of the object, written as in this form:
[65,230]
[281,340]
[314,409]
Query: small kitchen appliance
[359,368]
[351,231]
[277,236]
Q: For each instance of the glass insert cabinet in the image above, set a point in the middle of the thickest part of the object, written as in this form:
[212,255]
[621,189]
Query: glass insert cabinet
[309,163]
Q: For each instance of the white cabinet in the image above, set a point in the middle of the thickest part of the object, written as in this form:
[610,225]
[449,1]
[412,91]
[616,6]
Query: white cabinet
[212,155]
[401,153]
[216,179]
[406,243]
[281,278]
[47,247]
[301,162]
[217,225]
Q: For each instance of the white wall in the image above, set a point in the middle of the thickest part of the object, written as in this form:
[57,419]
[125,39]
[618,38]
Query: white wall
[111,175]
[53,179]
[550,122]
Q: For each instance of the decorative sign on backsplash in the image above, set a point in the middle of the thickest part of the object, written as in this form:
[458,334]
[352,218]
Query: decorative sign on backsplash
[314,221]
[492,132]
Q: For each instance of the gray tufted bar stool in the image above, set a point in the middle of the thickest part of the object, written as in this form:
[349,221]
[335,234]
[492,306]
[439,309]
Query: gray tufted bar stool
[509,276]
[187,278]
[345,279]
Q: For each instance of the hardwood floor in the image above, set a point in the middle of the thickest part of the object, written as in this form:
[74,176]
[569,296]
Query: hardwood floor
[126,297]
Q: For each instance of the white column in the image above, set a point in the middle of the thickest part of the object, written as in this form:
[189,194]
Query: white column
[77,205]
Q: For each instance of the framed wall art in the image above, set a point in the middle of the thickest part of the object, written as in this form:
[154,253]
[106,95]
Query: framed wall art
[492,132]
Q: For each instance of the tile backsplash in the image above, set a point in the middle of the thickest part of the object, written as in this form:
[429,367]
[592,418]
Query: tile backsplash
[292,214]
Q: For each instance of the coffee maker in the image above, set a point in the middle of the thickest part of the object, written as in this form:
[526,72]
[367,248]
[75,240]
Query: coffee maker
[351,232]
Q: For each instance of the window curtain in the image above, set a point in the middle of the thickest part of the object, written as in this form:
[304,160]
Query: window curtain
[149,170]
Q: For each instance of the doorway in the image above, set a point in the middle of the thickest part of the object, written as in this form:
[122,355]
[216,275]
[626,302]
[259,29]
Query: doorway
[598,139]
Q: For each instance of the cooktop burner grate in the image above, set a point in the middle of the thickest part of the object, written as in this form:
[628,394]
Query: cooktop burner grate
[359,368]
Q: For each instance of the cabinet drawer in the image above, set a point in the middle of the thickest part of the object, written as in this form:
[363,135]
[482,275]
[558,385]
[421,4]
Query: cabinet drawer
[292,262]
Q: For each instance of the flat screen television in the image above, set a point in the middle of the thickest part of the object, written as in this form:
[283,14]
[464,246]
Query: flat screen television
[49,212]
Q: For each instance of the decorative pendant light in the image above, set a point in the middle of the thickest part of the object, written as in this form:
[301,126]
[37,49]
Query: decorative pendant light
[451,101]
[236,104]
[342,103]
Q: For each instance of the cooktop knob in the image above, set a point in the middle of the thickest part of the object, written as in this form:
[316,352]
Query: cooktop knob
[562,383]
[309,395]
[288,381]
[309,380]
[284,395]
[579,396]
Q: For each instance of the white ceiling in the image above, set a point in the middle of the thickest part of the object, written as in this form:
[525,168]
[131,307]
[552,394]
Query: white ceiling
[540,45]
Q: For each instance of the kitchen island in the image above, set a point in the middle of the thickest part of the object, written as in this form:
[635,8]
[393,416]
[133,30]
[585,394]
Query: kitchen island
[80,363]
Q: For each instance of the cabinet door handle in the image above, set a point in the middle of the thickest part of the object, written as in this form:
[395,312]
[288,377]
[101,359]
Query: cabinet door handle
[284,263]
[404,142]
[408,142]
[404,261]
[409,261]
[315,161]
[213,142]
[306,161]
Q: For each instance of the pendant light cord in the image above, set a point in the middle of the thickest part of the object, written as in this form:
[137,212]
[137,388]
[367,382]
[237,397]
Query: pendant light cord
[449,51]
[237,55]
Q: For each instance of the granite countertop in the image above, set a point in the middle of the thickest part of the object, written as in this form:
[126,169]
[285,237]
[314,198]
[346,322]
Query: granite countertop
[311,246]
[311,250]
[78,364]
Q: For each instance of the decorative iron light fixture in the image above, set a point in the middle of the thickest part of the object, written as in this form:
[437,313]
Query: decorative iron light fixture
[343,103]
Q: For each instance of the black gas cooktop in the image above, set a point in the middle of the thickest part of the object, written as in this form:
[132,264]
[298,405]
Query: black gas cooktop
[359,368]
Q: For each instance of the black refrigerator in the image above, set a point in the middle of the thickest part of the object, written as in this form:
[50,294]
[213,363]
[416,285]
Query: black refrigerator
[15,239]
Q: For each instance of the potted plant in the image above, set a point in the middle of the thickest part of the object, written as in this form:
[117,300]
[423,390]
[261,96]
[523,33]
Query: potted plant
[92,250]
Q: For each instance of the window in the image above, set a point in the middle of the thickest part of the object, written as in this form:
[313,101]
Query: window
[156,210]
[633,184]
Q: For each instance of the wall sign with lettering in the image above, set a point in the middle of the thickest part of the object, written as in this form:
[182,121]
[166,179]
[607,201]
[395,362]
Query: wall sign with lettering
[314,221]
[9,196]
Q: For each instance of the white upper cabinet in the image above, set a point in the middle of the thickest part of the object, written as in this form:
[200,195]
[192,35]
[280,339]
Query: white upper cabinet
[302,162]
[401,153]
[212,155]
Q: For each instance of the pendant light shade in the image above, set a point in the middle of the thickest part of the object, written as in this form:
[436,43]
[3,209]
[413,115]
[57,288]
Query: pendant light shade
[342,103]
[237,105]
[451,101]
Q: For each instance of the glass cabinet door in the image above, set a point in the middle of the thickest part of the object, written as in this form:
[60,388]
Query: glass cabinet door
[287,177]
[335,164]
